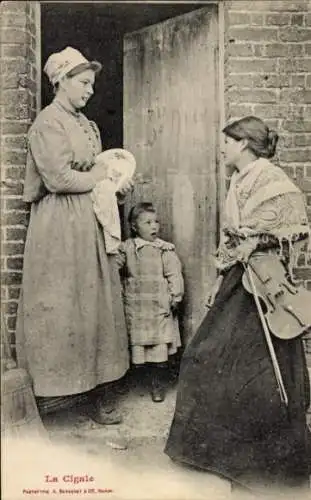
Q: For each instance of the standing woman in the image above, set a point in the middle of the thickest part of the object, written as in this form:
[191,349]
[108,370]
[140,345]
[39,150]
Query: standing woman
[229,418]
[71,334]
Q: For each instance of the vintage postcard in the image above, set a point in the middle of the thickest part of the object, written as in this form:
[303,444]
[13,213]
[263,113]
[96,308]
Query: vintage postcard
[155,334]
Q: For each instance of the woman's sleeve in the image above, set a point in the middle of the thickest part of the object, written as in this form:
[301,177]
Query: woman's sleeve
[53,158]
[173,273]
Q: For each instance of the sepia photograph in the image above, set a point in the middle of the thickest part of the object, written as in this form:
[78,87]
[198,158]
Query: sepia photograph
[156,250]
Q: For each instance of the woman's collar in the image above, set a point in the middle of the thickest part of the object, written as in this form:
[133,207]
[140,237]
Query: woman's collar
[60,103]
[247,168]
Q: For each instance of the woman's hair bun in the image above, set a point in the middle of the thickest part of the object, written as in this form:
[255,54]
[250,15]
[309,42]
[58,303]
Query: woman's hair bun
[272,142]
[261,140]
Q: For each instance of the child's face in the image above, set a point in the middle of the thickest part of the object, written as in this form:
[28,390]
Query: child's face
[147,226]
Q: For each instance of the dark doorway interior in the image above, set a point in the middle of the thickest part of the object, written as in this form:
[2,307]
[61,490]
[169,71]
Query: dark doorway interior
[97,30]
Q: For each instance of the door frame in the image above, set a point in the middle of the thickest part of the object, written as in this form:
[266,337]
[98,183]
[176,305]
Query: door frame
[38,55]
[221,170]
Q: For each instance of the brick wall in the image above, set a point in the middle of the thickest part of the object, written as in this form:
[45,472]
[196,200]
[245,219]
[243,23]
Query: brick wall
[268,73]
[18,109]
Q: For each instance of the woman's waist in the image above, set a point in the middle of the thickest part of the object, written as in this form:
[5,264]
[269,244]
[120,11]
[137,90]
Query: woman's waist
[80,203]
[63,196]
[264,241]
[237,248]
[148,284]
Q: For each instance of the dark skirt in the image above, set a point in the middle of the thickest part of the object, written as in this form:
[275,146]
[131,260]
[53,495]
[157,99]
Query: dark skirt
[229,418]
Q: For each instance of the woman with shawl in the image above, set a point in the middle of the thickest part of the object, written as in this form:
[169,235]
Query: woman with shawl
[229,417]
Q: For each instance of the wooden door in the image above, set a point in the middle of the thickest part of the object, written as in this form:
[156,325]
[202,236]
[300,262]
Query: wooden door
[171,124]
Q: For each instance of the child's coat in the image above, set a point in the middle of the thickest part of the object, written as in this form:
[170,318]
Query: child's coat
[153,281]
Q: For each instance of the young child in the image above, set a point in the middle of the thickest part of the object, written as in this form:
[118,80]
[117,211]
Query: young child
[153,288]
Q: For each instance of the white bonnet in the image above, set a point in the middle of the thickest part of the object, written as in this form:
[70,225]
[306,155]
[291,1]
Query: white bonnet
[60,63]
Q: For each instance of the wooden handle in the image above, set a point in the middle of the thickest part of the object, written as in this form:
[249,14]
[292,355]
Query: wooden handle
[276,368]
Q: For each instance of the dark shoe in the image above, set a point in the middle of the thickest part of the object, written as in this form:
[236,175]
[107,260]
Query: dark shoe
[157,394]
[104,415]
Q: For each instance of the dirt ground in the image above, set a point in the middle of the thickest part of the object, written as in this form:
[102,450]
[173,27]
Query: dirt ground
[116,462]
[126,460]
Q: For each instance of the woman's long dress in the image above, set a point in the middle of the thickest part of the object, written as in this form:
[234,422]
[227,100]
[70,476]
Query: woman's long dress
[71,333]
[229,417]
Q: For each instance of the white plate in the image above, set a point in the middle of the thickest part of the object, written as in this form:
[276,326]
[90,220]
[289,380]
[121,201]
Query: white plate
[120,165]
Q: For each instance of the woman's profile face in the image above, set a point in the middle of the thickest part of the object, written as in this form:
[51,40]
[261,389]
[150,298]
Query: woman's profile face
[79,88]
[232,151]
